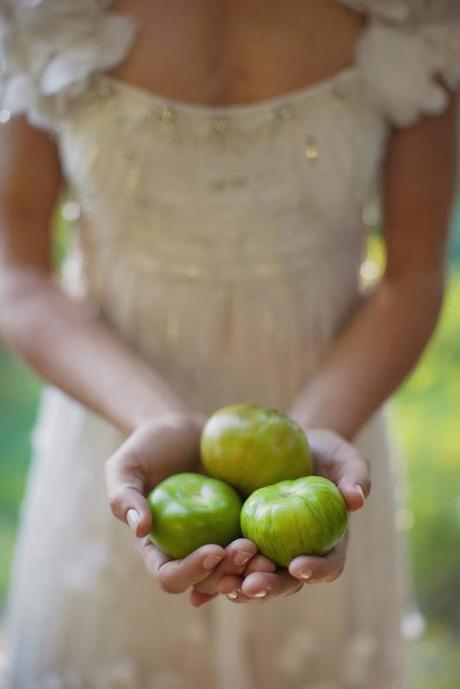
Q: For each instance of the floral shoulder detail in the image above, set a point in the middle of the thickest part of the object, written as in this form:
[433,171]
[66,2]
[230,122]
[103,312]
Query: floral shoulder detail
[409,55]
[50,48]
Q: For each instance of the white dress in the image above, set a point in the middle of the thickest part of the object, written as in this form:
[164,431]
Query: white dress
[224,245]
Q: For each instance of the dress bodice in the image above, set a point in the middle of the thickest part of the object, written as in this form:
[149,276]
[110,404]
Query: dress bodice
[243,212]
[237,193]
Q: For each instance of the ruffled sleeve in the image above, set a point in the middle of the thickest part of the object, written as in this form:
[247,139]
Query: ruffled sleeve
[409,55]
[50,48]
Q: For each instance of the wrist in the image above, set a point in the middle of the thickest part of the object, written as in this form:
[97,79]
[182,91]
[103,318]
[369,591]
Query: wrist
[155,407]
[187,420]
[311,418]
[176,423]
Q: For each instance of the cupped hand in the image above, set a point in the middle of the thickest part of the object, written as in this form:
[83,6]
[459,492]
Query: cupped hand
[167,445]
[340,462]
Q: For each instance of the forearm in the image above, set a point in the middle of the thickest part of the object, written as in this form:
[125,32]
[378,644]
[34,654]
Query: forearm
[67,347]
[378,348]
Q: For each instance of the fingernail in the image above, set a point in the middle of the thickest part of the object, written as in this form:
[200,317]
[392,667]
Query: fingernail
[210,561]
[241,558]
[133,520]
[232,595]
[359,488]
[306,574]
[259,594]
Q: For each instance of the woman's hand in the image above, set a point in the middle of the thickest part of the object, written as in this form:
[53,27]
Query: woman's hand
[167,445]
[340,462]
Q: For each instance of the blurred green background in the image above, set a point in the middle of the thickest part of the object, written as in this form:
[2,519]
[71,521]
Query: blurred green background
[425,417]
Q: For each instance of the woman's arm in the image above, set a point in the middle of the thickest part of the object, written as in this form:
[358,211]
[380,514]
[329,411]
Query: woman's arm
[55,335]
[391,326]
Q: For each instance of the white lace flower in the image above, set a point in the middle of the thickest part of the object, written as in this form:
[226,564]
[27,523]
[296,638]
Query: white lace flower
[407,45]
[398,70]
[48,49]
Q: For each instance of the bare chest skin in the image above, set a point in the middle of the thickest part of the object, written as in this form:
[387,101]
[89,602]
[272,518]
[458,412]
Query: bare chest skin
[218,52]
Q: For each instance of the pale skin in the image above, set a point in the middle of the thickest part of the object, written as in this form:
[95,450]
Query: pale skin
[221,53]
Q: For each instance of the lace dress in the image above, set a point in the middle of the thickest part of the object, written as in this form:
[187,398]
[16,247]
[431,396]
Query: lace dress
[224,245]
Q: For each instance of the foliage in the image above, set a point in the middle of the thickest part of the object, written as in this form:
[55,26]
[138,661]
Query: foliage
[434,661]
[426,416]
[455,243]
[19,391]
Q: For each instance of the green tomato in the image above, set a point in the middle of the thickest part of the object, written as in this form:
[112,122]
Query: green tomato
[250,447]
[190,510]
[303,517]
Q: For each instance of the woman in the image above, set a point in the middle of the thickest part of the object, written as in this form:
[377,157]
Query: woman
[215,260]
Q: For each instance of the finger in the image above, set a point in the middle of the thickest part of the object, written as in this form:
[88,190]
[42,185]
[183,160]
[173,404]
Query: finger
[172,574]
[342,463]
[254,590]
[354,483]
[152,556]
[317,570]
[176,576]
[260,563]
[263,585]
[228,584]
[126,497]
[200,599]
[237,555]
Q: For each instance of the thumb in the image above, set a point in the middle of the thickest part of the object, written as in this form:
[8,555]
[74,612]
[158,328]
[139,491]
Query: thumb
[341,462]
[136,512]
[127,501]
[355,486]
[353,476]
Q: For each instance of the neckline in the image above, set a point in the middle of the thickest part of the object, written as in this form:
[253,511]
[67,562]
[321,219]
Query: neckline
[291,97]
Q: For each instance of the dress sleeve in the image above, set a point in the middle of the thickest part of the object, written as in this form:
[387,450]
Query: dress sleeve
[50,48]
[409,55]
